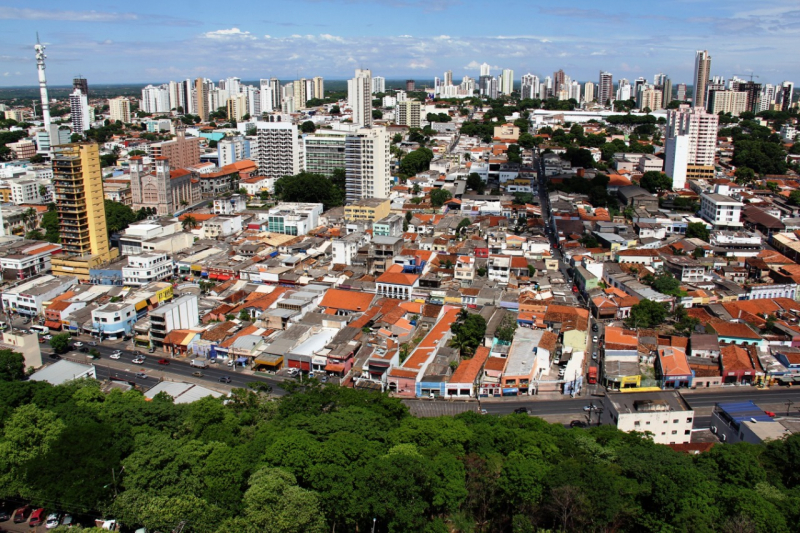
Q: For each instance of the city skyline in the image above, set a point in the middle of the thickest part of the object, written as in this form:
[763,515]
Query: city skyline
[423,40]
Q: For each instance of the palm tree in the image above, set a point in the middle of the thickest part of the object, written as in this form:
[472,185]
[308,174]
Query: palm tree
[189,223]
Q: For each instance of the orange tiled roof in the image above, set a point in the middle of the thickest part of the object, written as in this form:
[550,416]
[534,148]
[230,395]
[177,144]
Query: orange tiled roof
[346,300]
[467,371]
[394,275]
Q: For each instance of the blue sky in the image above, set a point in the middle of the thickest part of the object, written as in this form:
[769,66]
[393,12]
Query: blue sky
[155,41]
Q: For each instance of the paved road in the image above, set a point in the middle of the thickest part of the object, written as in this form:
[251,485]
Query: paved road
[124,368]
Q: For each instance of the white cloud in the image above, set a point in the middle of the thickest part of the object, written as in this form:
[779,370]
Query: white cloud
[229,34]
[14,13]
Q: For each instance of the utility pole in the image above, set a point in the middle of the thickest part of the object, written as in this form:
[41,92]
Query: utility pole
[789,404]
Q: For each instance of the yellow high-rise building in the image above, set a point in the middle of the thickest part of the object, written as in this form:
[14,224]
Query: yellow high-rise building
[80,201]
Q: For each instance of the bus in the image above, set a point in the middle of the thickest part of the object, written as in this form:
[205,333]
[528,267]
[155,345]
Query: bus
[41,330]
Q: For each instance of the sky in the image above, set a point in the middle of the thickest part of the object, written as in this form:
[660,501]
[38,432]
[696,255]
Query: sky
[157,41]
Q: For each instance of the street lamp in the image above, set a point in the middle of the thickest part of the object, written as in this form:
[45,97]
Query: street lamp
[373,524]
[789,404]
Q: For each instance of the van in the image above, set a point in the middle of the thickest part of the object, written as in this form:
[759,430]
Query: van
[198,363]
[37,517]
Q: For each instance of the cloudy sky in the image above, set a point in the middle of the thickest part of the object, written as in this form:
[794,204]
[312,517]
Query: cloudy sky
[155,41]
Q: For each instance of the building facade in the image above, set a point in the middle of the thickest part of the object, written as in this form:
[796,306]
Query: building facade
[367,164]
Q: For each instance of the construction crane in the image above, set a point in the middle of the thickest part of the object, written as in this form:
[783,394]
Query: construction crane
[751,76]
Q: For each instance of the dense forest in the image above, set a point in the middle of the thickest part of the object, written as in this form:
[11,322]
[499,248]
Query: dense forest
[334,459]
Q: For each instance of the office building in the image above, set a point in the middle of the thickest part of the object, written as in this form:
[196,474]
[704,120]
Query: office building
[786,93]
[378,84]
[324,151]
[605,88]
[691,139]
[280,149]
[201,99]
[81,210]
[81,83]
[506,82]
[119,109]
[409,113]
[359,97]
[79,111]
[702,73]
[723,212]
[733,102]
[367,164]
[529,87]
[232,149]
[290,218]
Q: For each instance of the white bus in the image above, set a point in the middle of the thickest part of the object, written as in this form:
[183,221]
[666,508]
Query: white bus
[41,330]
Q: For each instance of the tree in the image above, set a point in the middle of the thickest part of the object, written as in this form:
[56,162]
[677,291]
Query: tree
[744,175]
[417,161]
[12,365]
[505,331]
[655,181]
[60,342]
[697,230]
[308,127]
[308,187]
[666,283]
[646,314]
[118,216]
[468,333]
[35,235]
[244,315]
[439,197]
[794,197]
[475,183]
[377,114]
[51,225]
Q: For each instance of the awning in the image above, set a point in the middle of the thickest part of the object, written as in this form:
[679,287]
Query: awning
[334,367]
[268,360]
[141,305]
[184,268]
[213,276]
[241,360]
[196,268]
[52,324]
[797,379]
[510,391]
[223,277]
[204,274]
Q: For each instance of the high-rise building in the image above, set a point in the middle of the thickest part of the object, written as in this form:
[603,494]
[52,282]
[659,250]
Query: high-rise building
[637,83]
[78,184]
[506,82]
[649,97]
[751,89]
[767,97]
[300,94]
[176,96]
[588,92]
[702,73]
[324,151]
[79,111]
[680,94]
[786,94]
[605,88]
[182,151]
[265,94]
[467,86]
[658,79]
[666,91]
[409,113]
[484,85]
[201,99]
[367,164]
[411,85]
[81,83]
[486,70]
[624,90]
[119,109]
[359,97]
[691,140]
[559,79]
[237,107]
[530,86]
[448,77]
[733,102]
[155,99]
[378,84]
[280,149]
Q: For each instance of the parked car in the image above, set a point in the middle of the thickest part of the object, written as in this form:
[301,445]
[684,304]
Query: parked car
[22,514]
[522,411]
[197,374]
[578,424]
[231,362]
[47,337]
[590,408]
[78,344]
[323,379]
[5,515]
[67,520]
[151,350]
[594,355]
[163,361]
[225,379]
[55,356]
[91,343]
[37,517]
[53,520]
[594,327]
[594,339]
[84,349]
[139,360]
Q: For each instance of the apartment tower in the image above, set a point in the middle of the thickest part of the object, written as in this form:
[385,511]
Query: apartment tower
[201,92]
[605,88]
[691,140]
[367,164]
[359,97]
[119,109]
[702,73]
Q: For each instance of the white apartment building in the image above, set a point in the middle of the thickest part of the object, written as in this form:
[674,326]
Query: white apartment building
[665,416]
[181,313]
[25,191]
[232,149]
[499,268]
[359,97]
[733,102]
[367,164]
[79,111]
[378,84]
[293,218]
[788,133]
[698,148]
[720,211]
[280,149]
[119,109]
[146,268]
[507,81]
[155,99]
[221,226]
[27,298]
[229,206]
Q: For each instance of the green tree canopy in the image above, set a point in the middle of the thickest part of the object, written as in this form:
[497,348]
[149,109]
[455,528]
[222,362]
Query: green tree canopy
[655,181]
[308,187]
[417,161]
[12,365]
[439,197]
[646,314]
[60,342]
[697,230]
[118,216]
[475,182]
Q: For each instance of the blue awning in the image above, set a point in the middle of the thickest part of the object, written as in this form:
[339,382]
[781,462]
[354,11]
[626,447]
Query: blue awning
[511,391]
[242,360]
[204,274]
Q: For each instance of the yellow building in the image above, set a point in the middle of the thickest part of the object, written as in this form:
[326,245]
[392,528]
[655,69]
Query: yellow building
[5,194]
[369,209]
[81,210]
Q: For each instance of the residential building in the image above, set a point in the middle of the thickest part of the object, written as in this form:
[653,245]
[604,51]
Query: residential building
[378,84]
[785,94]
[530,86]
[27,298]
[359,97]
[720,211]
[155,99]
[367,164]
[23,259]
[229,206]
[368,209]
[691,140]
[702,73]
[409,113]
[181,313]
[499,268]
[81,210]
[324,152]
[280,149]
[79,111]
[201,99]
[146,268]
[22,149]
[395,283]
[119,109]
[588,92]
[113,320]
[724,101]
[221,226]
[233,149]
[664,415]
[182,152]
[686,269]
[605,88]
[506,81]
[236,107]
[25,191]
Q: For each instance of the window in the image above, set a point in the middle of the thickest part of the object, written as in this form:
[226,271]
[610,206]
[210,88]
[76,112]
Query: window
[687,432]
[674,431]
[675,421]
[689,420]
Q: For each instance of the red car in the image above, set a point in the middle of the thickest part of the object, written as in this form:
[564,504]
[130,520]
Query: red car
[769,413]
[163,361]
[22,514]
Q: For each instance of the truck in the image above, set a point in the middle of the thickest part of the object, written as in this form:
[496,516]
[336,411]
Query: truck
[592,375]
[199,363]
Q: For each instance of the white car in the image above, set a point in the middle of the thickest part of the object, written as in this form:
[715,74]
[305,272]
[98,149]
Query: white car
[141,375]
[230,362]
[116,355]
[138,361]
[47,337]
[53,520]
[78,344]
